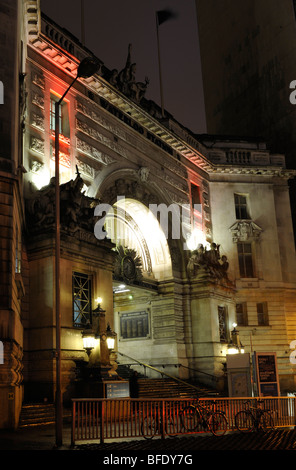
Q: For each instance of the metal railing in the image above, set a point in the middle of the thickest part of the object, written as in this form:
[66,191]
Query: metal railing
[124,418]
[162,373]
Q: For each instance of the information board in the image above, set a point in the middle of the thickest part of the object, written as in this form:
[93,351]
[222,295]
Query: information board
[266,374]
[117,389]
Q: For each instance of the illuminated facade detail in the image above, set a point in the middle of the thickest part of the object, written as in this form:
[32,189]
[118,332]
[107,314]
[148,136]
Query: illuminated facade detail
[187,246]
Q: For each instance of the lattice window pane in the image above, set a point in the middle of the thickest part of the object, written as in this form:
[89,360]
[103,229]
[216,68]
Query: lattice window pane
[222,324]
[81,299]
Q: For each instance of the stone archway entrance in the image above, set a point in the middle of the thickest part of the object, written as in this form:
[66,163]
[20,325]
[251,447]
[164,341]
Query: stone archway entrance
[147,301]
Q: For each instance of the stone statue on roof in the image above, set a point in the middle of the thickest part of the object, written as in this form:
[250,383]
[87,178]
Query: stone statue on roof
[125,80]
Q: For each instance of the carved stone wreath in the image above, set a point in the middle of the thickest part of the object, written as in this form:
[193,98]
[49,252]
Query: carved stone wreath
[128,265]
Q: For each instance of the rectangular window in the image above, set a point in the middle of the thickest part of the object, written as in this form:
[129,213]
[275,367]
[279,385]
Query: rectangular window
[81,291]
[262,314]
[241,314]
[195,196]
[245,259]
[241,208]
[64,126]
[222,319]
[134,325]
[196,208]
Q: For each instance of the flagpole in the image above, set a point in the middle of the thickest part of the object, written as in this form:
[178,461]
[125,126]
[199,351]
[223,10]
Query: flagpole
[159,67]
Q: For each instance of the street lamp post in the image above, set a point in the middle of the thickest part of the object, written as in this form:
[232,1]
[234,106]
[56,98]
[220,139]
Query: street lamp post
[87,67]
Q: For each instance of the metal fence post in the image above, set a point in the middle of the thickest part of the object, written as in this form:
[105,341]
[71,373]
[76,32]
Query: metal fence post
[163,419]
[102,421]
[73,424]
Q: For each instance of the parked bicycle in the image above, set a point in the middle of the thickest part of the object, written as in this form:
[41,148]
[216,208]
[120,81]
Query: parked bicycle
[254,417]
[157,423]
[196,415]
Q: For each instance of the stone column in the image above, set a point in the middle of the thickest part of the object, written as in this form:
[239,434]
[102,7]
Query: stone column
[209,340]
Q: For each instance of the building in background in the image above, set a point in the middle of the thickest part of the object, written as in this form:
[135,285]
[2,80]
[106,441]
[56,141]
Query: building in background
[248,66]
[248,63]
[199,229]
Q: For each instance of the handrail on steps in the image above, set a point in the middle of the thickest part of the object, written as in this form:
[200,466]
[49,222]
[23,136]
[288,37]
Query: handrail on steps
[159,371]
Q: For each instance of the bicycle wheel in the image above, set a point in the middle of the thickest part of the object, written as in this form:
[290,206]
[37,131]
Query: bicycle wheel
[244,421]
[149,427]
[174,424]
[190,418]
[217,423]
[266,421]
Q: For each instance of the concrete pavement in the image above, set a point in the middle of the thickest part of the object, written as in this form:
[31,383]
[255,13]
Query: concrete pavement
[43,438]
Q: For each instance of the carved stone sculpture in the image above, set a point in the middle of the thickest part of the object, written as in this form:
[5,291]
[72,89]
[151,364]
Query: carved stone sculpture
[205,263]
[77,209]
[125,80]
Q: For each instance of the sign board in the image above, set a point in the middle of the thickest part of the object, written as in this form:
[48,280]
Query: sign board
[117,389]
[266,374]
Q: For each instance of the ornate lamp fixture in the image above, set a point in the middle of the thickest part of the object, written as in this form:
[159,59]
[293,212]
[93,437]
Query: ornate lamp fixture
[235,346]
[89,339]
[92,334]
[110,338]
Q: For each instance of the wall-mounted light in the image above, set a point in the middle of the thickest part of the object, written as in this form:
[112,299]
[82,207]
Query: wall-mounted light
[99,300]
[92,334]
[89,339]
[110,338]
[235,346]
[89,343]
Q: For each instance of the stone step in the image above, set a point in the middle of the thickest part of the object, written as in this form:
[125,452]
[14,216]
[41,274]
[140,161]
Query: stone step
[164,387]
[39,414]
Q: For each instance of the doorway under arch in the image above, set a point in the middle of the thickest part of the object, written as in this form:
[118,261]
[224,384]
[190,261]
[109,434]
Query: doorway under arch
[131,224]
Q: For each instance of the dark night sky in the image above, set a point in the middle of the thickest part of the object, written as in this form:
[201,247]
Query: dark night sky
[111,26]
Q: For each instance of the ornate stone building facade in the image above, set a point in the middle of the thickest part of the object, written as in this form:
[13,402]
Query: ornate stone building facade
[179,235]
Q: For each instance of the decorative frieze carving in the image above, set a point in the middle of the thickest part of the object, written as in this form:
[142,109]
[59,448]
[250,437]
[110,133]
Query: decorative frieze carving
[245,230]
[38,79]
[88,149]
[37,120]
[37,99]
[36,166]
[85,169]
[177,198]
[37,145]
[64,158]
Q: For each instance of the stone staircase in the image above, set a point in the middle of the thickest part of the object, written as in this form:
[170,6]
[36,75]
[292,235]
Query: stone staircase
[39,414]
[165,387]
